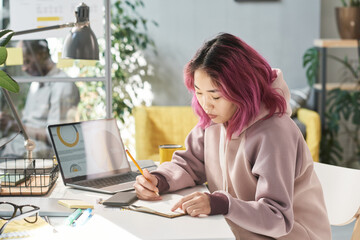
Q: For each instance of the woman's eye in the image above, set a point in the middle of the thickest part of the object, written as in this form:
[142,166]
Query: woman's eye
[216,98]
[198,93]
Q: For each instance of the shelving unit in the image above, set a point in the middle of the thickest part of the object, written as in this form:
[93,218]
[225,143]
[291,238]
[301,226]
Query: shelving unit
[331,86]
[322,45]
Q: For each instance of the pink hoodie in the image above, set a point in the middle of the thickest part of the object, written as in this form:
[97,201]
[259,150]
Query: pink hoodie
[266,173]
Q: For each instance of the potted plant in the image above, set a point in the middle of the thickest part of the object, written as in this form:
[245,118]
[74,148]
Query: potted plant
[6,81]
[348,19]
[342,114]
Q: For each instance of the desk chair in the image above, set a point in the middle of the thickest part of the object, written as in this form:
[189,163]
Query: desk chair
[342,195]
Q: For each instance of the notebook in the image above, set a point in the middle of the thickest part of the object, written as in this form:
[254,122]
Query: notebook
[161,207]
[91,156]
[20,229]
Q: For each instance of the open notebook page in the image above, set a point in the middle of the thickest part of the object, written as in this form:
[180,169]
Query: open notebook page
[20,229]
[160,207]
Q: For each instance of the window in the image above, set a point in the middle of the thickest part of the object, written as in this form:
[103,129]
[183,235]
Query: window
[52,90]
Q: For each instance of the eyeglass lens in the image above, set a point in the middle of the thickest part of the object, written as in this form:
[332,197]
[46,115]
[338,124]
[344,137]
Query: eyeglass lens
[9,211]
[25,209]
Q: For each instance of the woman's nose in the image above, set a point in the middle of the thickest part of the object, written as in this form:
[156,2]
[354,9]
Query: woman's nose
[207,105]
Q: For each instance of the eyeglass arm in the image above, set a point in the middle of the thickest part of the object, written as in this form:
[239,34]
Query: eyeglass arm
[21,216]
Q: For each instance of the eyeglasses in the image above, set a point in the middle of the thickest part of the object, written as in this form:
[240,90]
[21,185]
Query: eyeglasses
[27,212]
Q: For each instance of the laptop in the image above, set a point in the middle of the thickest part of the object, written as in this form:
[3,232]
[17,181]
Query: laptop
[91,156]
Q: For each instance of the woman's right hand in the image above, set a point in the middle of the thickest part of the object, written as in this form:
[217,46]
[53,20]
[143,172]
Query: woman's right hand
[145,186]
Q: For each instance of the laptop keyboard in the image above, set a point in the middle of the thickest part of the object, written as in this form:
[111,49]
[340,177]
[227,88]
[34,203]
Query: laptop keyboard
[105,182]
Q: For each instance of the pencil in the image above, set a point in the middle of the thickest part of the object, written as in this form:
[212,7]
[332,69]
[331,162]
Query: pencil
[138,167]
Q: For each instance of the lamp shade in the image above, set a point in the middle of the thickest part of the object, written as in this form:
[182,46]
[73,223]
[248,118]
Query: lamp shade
[81,42]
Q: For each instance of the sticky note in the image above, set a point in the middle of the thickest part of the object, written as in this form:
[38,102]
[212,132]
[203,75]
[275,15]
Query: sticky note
[91,63]
[73,203]
[64,62]
[15,56]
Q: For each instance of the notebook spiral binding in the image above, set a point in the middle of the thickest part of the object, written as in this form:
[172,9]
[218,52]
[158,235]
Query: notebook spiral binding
[30,177]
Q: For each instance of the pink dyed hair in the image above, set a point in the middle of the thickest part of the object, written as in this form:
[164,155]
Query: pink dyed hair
[242,76]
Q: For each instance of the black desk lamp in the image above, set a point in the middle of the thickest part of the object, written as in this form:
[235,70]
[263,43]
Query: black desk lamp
[81,43]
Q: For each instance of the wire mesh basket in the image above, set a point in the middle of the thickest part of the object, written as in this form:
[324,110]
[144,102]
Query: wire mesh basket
[30,177]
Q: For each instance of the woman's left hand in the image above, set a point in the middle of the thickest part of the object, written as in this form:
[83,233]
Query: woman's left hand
[194,204]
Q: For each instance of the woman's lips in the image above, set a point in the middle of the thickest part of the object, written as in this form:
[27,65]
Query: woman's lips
[212,116]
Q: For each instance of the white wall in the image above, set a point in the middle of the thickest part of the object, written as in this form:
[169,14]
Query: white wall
[279,30]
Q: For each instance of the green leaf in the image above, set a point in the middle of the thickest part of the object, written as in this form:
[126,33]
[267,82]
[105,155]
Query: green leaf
[346,63]
[3,55]
[4,32]
[356,118]
[311,64]
[8,83]
[130,5]
[5,36]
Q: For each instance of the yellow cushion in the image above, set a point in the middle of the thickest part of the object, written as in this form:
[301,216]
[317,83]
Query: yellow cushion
[158,125]
[311,119]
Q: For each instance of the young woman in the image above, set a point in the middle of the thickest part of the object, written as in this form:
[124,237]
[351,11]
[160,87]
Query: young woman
[246,147]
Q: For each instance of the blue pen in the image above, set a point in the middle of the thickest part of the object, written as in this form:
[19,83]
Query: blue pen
[84,217]
[73,216]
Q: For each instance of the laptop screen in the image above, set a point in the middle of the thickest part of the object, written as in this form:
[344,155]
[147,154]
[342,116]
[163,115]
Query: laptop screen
[90,149]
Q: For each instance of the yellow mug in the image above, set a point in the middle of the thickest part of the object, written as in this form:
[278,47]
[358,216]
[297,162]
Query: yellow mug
[167,150]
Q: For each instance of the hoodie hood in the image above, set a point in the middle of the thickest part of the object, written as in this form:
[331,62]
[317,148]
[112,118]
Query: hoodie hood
[281,87]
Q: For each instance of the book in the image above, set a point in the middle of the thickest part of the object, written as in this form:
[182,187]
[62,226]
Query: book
[48,206]
[160,207]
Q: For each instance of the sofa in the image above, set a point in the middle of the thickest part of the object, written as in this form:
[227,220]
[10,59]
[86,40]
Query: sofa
[158,125]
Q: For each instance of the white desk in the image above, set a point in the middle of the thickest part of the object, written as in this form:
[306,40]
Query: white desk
[115,223]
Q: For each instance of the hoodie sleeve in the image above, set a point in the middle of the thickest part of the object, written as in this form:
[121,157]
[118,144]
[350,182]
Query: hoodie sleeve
[186,168]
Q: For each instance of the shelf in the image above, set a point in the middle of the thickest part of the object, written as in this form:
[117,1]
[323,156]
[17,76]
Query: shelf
[343,86]
[323,45]
[334,43]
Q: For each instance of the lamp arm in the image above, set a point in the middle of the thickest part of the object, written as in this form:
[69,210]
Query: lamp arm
[15,113]
[29,144]
[65,25]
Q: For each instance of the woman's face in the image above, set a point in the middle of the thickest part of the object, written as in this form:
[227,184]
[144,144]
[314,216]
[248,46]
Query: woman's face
[209,97]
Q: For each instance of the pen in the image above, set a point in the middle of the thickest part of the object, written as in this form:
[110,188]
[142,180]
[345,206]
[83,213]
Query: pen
[138,167]
[70,219]
[83,218]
